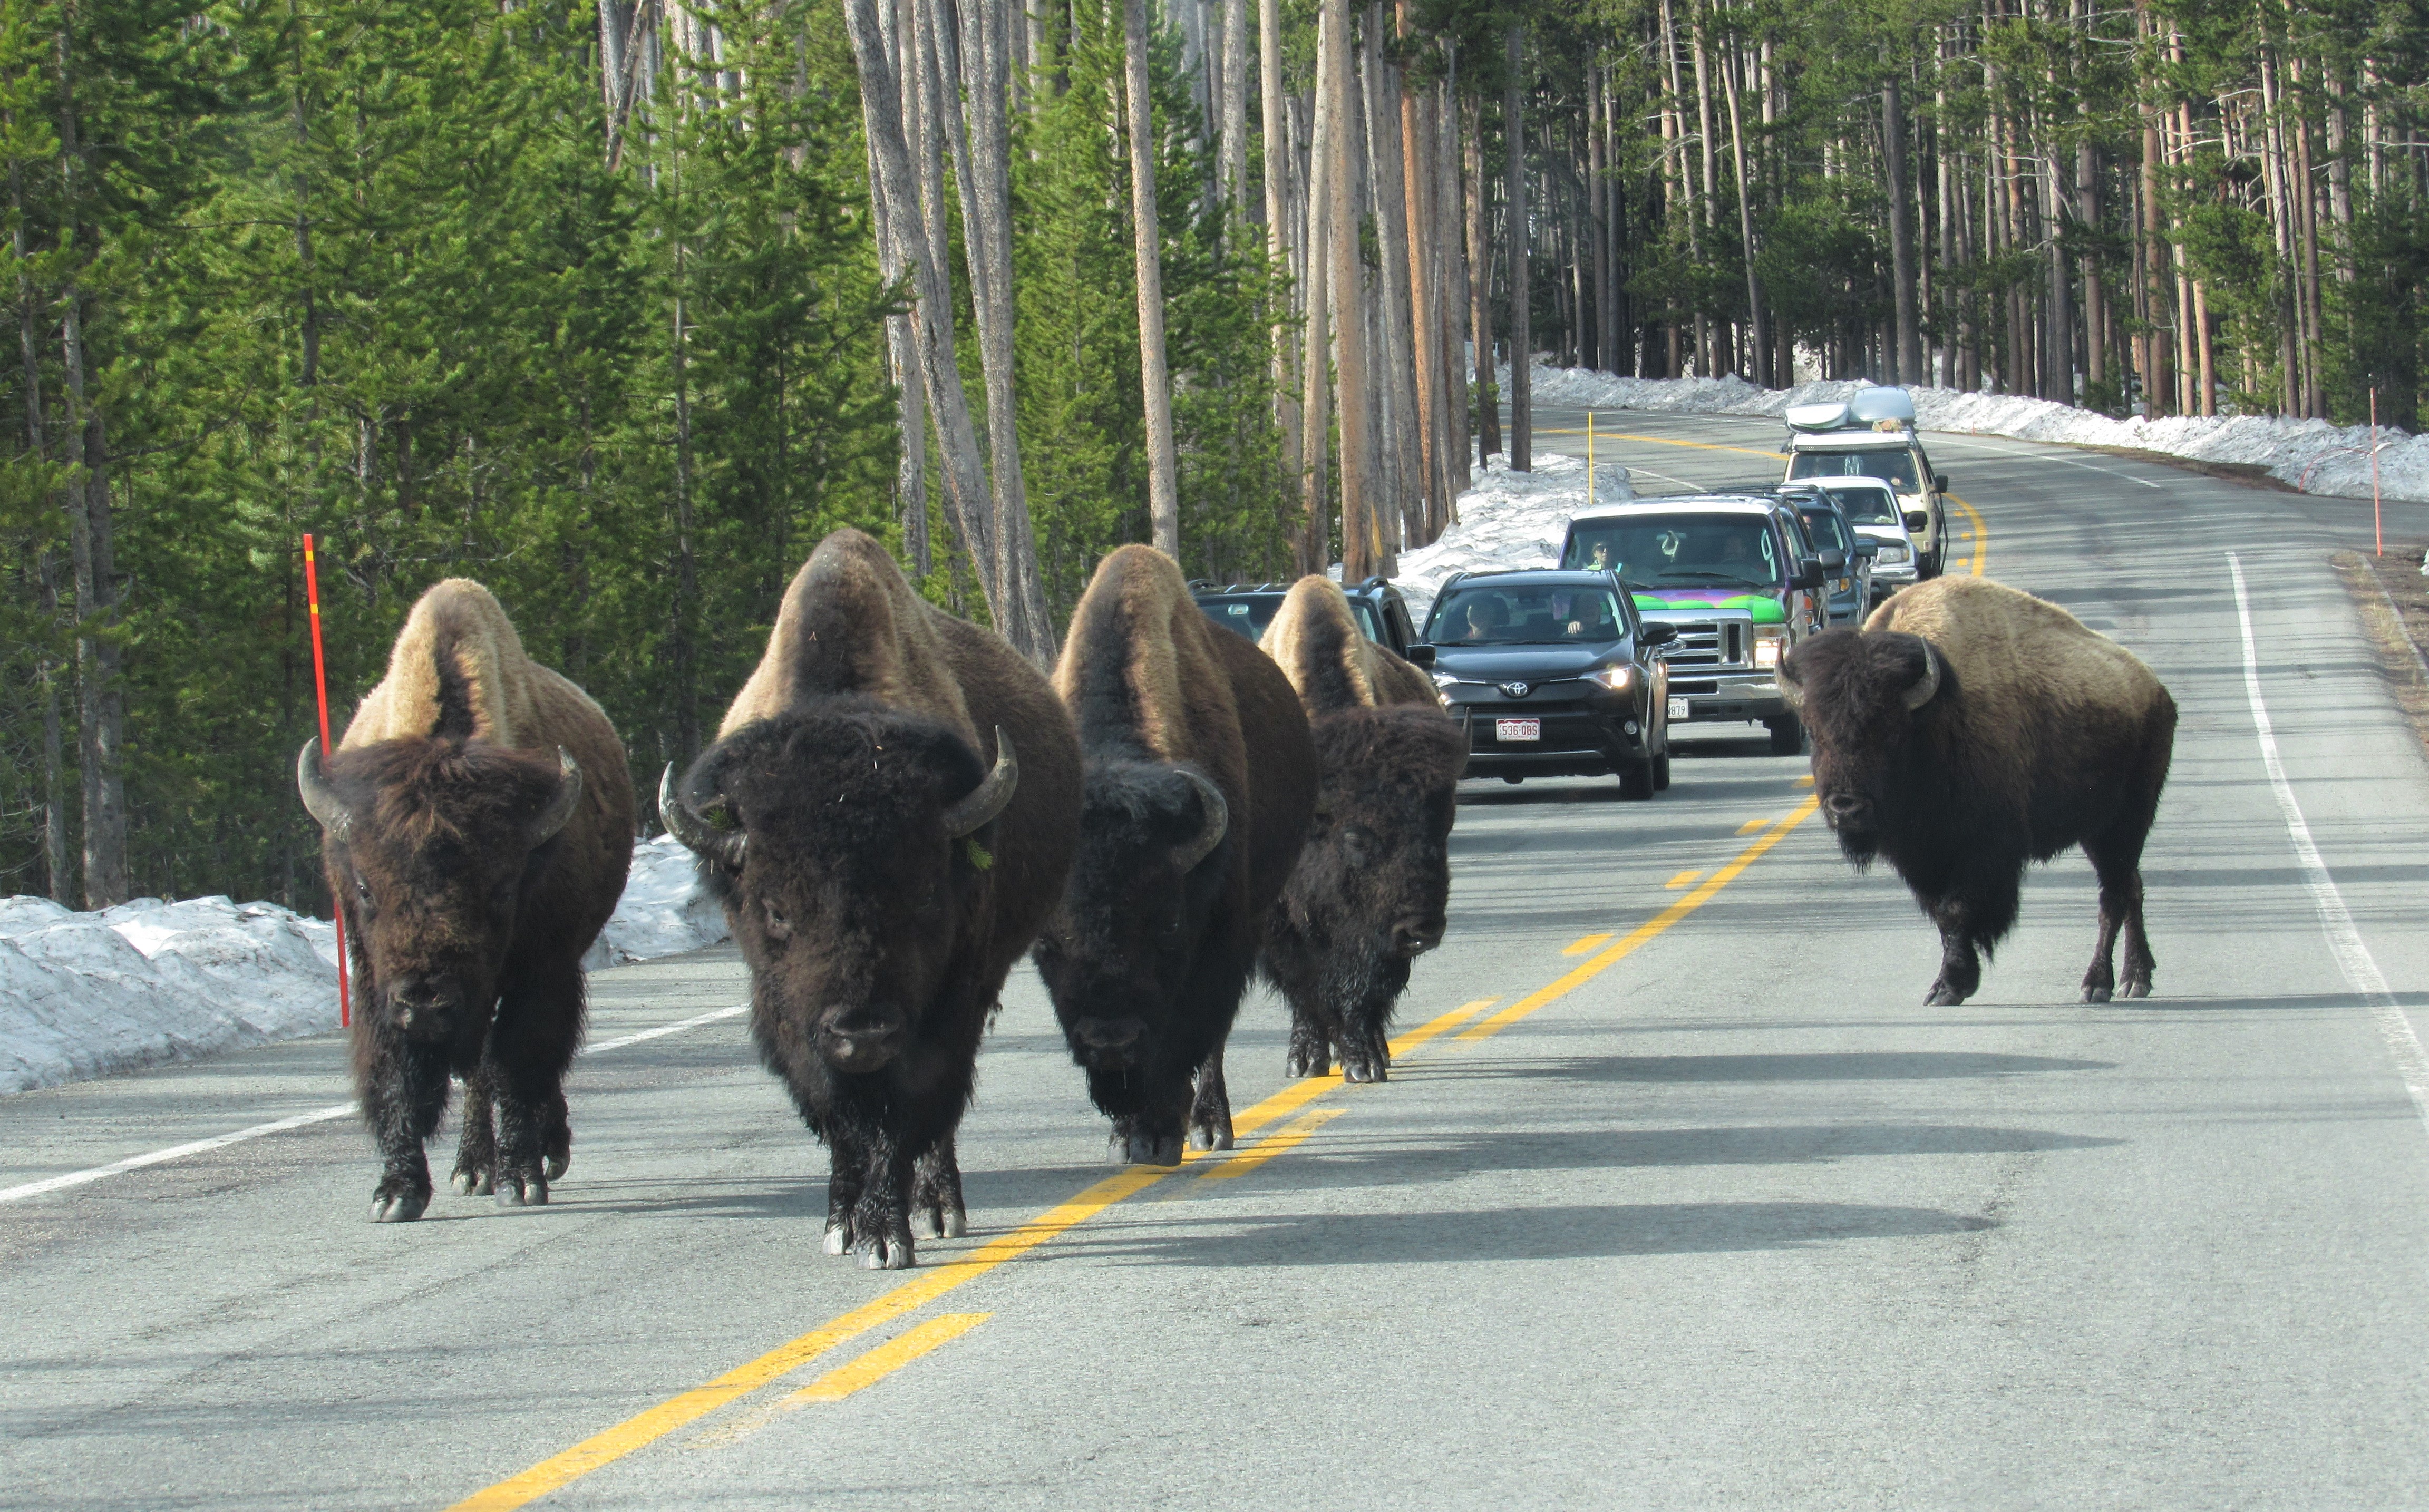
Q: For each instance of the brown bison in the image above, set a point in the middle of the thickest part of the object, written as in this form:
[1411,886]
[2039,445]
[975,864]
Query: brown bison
[1368,895]
[476,824]
[1198,783]
[887,815]
[1969,728]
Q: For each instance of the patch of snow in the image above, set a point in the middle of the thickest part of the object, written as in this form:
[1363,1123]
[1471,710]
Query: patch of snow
[1509,519]
[87,994]
[2312,456]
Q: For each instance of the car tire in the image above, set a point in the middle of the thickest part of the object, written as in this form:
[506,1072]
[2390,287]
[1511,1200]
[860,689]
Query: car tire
[1637,782]
[1926,566]
[1661,773]
[1787,735]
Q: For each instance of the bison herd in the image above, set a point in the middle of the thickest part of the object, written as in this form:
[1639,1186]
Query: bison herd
[898,806]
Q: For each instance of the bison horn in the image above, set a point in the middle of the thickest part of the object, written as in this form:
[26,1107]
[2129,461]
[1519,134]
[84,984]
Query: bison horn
[981,805]
[1928,684]
[560,808]
[321,800]
[698,835]
[1210,832]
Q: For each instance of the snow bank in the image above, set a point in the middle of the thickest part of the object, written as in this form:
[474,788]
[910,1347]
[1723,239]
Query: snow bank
[2310,455]
[1507,519]
[86,995]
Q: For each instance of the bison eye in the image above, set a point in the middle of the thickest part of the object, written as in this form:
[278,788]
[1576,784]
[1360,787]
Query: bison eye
[779,927]
[1357,845]
[363,892]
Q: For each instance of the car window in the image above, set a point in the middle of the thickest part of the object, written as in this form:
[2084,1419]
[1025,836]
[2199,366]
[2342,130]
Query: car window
[1824,524]
[1896,467]
[1674,550]
[1526,615]
[1867,506]
[1250,616]
[1366,620]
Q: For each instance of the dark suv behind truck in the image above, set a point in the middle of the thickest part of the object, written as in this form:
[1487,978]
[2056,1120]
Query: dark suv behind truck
[1249,607]
[1553,674]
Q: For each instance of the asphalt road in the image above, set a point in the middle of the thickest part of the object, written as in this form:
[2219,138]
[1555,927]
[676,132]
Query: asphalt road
[1700,1208]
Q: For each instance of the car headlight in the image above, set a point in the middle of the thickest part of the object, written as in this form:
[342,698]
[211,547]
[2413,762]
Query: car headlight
[1446,680]
[1619,678]
[1769,642]
[1892,553]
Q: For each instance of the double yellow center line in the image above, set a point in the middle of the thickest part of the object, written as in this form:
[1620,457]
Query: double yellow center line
[647,1428]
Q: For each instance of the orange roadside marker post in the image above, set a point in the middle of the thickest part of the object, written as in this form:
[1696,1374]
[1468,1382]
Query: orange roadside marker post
[321,690]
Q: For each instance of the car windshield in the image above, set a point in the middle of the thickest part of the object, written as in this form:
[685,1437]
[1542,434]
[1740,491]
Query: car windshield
[1250,616]
[1679,551]
[1508,614]
[1867,506]
[1896,467]
[1823,523]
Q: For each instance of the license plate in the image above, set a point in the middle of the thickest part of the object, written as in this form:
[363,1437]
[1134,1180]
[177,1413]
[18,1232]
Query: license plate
[1678,709]
[1517,730]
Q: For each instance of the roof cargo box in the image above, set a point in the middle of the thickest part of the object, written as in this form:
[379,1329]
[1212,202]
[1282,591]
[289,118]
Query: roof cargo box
[1817,417]
[1873,405]
[1880,408]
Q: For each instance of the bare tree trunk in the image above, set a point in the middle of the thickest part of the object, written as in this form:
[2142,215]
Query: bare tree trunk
[1234,72]
[911,221]
[1417,165]
[1479,274]
[58,881]
[1902,276]
[1280,160]
[1706,344]
[1450,207]
[1760,333]
[680,648]
[984,171]
[2096,302]
[1402,441]
[1162,466]
[1514,116]
[1597,192]
[1315,367]
[1362,537]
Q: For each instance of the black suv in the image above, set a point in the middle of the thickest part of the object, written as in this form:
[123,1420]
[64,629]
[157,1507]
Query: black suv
[1249,607]
[1553,674]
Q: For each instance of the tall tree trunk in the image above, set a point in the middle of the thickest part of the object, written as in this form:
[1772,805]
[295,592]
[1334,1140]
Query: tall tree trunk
[895,17]
[681,650]
[1760,333]
[1280,161]
[1450,206]
[1514,125]
[1425,312]
[1479,274]
[1707,342]
[1234,80]
[1597,196]
[1901,268]
[2095,301]
[1316,370]
[912,220]
[1402,445]
[984,171]
[1363,547]
[57,879]
[1155,377]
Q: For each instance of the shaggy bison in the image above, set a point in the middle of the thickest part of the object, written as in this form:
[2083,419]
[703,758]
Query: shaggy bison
[1198,783]
[476,825]
[887,815]
[1969,728]
[1368,895]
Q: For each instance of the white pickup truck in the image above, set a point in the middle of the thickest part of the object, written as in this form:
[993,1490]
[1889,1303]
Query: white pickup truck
[1872,436]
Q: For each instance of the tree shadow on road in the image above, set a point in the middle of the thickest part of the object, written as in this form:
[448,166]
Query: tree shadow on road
[1836,1065]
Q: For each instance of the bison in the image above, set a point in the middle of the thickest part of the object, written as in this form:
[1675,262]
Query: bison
[476,824]
[1368,895]
[1198,782]
[1969,728]
[887,814]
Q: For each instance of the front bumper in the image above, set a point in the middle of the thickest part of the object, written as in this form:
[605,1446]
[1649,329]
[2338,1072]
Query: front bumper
[1582,733]
[1724,697]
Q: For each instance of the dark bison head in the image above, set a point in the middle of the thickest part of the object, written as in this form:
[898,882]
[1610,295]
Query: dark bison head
[1375,877]
[1151,867]
[429,843]
[849,851]
[1863,696]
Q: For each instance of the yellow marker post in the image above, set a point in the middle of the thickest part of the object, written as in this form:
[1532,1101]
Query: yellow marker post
[1590,477]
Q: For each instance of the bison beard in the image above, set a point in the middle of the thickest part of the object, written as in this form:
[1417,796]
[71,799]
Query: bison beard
[474,873]
[1371,888]
[1961,785]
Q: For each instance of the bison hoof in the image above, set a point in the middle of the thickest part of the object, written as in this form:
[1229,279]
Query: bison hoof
[1211,1138]
[2138,989]
[556,1164]
[838,1239]
[471,1183]
[1147,1149]
[1307,1062]
[398,1207]
[2096,995]
[887,1255]
[947,1223]
[1365,1068]
[522,1192]
[1942,996]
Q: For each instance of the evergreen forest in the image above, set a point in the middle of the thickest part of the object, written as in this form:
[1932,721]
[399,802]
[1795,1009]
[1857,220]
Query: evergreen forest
[619,305]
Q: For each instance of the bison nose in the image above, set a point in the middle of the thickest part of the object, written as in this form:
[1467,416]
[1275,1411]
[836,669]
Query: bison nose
[864,1037]
[425,1003]
[1845,806]
[1413,937]
[1110,1034]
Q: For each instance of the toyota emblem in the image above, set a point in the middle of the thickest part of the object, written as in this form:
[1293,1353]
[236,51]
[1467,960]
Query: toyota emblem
[1515,690]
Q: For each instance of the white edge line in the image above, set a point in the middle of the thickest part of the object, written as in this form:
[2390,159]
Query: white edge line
[318,1115]
[2036,456]
[2344,941]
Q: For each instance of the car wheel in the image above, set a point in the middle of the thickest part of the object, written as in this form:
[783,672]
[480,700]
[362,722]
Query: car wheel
[1661,773]
[1787,735]
[1926,566]
[1636,782]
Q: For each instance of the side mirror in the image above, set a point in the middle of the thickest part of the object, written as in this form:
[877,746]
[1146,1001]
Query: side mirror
[1833,560]
[1916,520]
[1421,655]
[1809,574]
[1658,633]
[1939,483]
[1867,546]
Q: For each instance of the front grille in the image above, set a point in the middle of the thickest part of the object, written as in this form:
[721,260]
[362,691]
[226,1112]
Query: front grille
[1683,689]
[1709,643]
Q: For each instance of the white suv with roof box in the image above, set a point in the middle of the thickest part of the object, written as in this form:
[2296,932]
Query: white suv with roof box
[1872,436]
